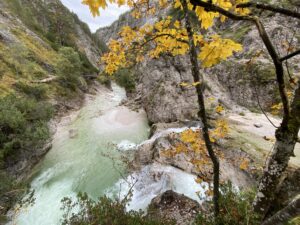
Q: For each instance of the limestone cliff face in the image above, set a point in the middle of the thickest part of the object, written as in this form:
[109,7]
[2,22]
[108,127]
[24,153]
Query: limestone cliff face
[110,32]
[162,96]
[235,83]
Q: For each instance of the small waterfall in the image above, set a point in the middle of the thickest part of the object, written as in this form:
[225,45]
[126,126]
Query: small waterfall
[153,180]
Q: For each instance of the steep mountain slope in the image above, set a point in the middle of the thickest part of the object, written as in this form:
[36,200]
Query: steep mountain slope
[47,56]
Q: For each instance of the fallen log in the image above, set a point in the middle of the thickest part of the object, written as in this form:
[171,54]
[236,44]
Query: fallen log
[46,80]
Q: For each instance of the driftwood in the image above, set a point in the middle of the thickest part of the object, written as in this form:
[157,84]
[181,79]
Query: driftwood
[46,80]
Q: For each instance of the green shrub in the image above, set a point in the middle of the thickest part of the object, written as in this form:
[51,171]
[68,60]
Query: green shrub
[295,221]
[68,68]
[23,124]
[25,13]
[104,79]
[38,92]
[125,78]
[100,43]
[104,212]
[86,66]
[235,208]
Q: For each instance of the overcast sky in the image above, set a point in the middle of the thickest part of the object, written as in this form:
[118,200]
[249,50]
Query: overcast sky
[106,17]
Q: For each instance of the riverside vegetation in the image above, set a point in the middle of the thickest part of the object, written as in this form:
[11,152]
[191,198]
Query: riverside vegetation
[40,66]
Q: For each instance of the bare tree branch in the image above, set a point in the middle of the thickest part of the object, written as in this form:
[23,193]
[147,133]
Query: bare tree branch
[271,8]
[290,55]
[260,106]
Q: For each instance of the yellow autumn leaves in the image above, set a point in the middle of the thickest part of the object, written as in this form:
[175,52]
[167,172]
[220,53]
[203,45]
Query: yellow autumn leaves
[133,45]
[207,18]
[139,7]
[167,36]
[164,37]
[192,145]
[94,5]
[216,50]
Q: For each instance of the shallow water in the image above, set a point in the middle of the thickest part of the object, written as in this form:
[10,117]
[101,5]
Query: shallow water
[76,162]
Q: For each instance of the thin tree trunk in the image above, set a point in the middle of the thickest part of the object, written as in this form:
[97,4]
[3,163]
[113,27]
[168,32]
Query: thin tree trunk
[202,113]
[286,134]
[286,139]
[291,211]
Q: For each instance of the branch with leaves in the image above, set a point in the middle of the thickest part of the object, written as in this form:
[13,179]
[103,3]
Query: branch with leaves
[276,9]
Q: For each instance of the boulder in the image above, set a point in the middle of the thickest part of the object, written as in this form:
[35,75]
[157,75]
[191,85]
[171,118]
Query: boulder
[173,206]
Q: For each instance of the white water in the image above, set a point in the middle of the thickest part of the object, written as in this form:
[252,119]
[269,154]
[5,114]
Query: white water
[76,162]
[153,180]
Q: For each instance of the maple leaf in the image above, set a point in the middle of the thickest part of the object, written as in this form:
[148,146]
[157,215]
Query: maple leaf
[244,164]
[198,180]
[217,49]
[94,6]
[219,109]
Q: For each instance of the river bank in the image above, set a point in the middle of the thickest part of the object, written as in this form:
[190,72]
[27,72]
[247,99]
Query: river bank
[77,161]
[21,170]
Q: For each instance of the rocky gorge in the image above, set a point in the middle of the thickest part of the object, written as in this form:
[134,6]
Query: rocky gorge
[243,85]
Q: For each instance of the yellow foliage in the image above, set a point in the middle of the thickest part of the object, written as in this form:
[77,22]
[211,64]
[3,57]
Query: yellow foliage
[289,94]
[184,84]
[196,83]
[244,164]
[96,4]
[136,14]
[211,99]
[164,36]
[199,180]
[163,3]
[217,49]
[193,145]
[189,136]
[241,11]
[142,6]
[206,18]
[209,192]
[276,108]
[219,109]
[221,130]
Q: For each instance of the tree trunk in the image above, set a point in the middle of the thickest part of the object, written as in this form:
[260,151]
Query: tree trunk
[286,139]
[283,216]
[286,134]
[202,113]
